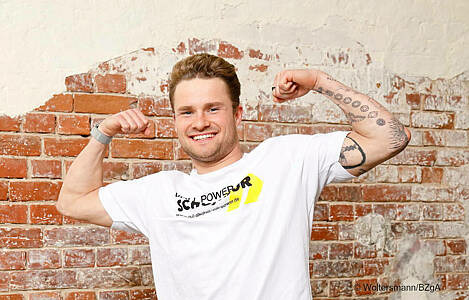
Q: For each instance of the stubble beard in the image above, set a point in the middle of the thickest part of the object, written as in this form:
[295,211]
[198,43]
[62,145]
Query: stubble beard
[221,150]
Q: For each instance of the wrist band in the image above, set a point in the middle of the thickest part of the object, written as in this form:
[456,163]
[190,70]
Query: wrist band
[99,136]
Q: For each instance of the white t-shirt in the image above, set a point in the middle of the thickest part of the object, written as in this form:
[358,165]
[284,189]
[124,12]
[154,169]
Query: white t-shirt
[241,232]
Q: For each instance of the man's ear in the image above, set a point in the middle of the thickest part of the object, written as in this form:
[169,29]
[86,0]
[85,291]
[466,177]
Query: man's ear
[238,114]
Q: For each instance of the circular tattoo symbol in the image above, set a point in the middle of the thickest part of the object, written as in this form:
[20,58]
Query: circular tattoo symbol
[329,93]
[347,100]
[364,108]
[338,96]
[380,122]
[356,103]
[372,114]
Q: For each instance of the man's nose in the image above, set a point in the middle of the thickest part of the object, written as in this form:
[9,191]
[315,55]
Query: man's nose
[201,122]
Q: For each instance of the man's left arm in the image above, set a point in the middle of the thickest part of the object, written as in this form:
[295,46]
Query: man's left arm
[376,134]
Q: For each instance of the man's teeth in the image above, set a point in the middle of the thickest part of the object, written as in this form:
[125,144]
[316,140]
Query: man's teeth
[205,136]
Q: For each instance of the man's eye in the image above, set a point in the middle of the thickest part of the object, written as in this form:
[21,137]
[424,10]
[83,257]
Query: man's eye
[213,109]
[186,113]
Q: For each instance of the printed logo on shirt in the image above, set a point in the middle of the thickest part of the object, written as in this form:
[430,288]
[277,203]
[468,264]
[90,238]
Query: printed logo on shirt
[229,196]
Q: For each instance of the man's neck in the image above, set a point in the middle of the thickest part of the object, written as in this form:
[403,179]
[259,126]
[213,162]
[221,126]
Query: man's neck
[207,167]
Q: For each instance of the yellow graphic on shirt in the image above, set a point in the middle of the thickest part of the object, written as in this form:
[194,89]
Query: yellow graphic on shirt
[255,188]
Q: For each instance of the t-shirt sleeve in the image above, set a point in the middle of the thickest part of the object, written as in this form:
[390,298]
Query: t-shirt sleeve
[320,163]
[126,202]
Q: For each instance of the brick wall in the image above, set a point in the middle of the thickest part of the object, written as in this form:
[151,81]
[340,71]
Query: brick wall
[376,229]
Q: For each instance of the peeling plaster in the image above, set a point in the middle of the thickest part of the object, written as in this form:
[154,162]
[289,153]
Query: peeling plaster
[57,40]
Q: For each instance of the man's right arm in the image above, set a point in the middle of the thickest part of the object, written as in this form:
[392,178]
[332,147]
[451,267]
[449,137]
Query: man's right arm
[79,197]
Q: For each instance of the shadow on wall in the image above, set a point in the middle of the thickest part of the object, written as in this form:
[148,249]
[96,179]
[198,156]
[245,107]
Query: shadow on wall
[401,223]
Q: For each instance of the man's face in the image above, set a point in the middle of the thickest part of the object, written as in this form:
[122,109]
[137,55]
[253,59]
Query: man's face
[204,119]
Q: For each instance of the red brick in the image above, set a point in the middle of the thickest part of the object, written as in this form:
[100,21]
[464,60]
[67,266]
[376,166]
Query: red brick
[79,83]
[456,247]
[433,138]
[363,286]
[362,210]
[20,237]
[442,120]
[452,157]
[453,212]
[407,212]
[227,50]
[13,167]
[89,295]
[76,236]
[165,128]
[341,212]
[45,296]
[450,264]
[73,124]
[110,257]
[346,231]
[321,212]
[37,122]
[43,259]
[457,281]
[79,258]
[4,282]
[45,215]
[375,267]
[160,107]
[3,190]
[64,146]
[140,169]
[257,132]
[319,288]
[115,170]
[8,123]
[126,148]
[318,250]
[414,100]
[388,211]
[324,232]
[124,237]
[340,250]
[144,294]
[98,278]
[12,260]
[42,168]
[140,256]
[42,279]
[383,193]
[412,156]
[102,104]
[285,113]
[110,83]
[114,295]
[422,230]
[58,103]
[196,46]
[20,145]
[341,193]
[361,251]
[259,68]
[34,190]
[432,175]
[408,174]
[14,214]
[340,288]
[11,297]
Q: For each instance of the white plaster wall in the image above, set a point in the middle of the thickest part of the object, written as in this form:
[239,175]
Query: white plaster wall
[44,41]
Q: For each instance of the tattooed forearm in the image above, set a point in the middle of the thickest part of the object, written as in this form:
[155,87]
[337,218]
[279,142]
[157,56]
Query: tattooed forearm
[399,137]
[350,153]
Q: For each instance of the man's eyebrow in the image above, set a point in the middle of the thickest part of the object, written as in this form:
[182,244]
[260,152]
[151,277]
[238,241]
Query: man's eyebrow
[209,104]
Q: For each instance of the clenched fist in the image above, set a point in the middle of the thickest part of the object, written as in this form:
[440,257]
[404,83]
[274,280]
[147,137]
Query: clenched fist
[291,84]
[128,121]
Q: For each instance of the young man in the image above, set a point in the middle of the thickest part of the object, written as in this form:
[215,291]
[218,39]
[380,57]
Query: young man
[238,227]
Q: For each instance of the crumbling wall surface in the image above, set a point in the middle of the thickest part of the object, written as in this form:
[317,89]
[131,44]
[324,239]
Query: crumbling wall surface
[401,224]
